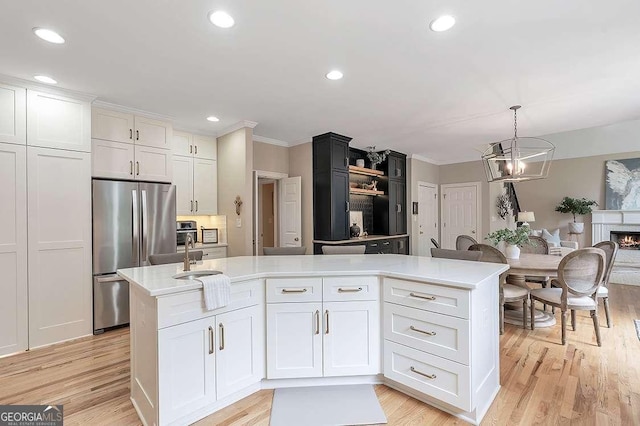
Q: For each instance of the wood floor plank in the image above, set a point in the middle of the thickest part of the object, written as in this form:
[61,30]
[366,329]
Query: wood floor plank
[542,381]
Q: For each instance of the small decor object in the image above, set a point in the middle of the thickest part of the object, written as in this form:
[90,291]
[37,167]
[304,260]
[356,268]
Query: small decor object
[209,235]
[238,203]
[360,162]
[354,230]
[513,239]
[503,205]
[576,206]
[372,186]
[622,187]
[526,217]
[376,157]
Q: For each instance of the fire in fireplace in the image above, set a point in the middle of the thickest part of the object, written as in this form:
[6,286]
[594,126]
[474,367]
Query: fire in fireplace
[626,240]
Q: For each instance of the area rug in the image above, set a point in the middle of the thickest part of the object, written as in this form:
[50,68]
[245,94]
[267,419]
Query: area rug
[637,324]
[326,406]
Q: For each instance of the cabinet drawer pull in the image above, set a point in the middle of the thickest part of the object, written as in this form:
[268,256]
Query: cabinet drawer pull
[317,322]
[386,243]
[195,147]
[326,314]
[130,133]
[137,168]
[428,376]
[422,297]
[210,340]
[137,135]
[348,206]
[191,205]
[196,205]
[205,254]
[131,168]
[301,290]
[221,336]
[373,245]
[428,333]
[349,290]
[190,149]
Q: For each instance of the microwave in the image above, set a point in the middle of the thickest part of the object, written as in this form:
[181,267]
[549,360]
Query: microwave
[184,228]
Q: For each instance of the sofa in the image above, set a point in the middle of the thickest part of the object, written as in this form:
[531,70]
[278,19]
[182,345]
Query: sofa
[556,246]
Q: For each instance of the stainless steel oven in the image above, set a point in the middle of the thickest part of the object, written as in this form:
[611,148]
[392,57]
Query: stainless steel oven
[184,228]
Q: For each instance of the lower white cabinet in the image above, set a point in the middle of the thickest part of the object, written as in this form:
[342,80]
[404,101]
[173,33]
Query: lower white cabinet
[196,182]
[153,164]
[118,160]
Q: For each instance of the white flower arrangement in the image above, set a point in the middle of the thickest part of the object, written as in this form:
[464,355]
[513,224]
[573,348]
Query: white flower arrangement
[503,204]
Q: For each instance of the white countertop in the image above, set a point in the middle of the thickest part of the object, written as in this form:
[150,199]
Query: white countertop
[158,281]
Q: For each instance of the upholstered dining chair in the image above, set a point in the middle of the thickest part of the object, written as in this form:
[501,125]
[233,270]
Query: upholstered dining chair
[463,242]
[538,246]
[435,243]
[283,251]
[359,249]
[508,292]
[610,250]
[163,259]
[580,274]
[456,254]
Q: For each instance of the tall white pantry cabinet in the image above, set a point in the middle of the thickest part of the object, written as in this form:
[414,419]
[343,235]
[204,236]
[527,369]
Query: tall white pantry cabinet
[45,218]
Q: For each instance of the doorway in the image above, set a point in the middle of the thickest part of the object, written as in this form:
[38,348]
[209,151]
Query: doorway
[461,212]
[427,217]
[267,203]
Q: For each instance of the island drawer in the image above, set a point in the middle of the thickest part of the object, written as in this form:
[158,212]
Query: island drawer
[430,297]
[439,378]
[338,289]
[189,306]
[281,290]
[442,335]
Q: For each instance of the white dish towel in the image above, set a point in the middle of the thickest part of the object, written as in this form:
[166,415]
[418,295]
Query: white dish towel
[217,291]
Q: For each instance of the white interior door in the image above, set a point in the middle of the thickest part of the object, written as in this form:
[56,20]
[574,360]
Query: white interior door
[427,217]
[460,212]
[290,211]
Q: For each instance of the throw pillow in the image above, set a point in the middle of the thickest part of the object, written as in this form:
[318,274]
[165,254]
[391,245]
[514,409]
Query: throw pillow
[553,238]
[536,233]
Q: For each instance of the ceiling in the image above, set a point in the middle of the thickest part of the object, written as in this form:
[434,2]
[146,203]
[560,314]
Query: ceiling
[571,64]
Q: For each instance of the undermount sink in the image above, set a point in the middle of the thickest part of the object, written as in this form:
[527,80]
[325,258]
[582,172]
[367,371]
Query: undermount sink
[192,275]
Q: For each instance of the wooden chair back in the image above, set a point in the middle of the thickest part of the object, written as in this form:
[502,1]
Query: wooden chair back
[283,251]
[463,242]
[610,249]
[456,254]
[581,271]
[538,246]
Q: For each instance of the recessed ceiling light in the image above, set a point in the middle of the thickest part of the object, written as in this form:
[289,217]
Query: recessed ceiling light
[334,75]
[45,79]
[221,19]
[48,35]
[213,118]
[443,23]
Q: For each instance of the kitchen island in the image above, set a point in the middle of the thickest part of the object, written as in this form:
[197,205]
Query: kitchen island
[427,327]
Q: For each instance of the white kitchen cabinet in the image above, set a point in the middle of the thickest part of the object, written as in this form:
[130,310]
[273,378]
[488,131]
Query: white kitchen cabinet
[55,121]
[153,133]
[112,159]
[182,144]
[294,340]
[13,249]
[183,180]
[153,164]
[240,350]
[59,245]
[186,369]
[111,125]
[205,147]
[351,343]
[13,114]
[196,183]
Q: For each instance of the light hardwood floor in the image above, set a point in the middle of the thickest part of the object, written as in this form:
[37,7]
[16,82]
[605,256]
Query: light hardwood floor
[543,382]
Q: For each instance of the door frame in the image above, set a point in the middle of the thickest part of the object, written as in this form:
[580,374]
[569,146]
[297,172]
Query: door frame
[478,186]
[436,188]
[262,174]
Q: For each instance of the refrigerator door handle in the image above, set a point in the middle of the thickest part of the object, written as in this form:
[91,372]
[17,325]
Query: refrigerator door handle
[145,240]
[135,241]
[109,279]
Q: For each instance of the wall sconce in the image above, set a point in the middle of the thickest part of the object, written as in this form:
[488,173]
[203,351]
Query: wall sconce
[238,203]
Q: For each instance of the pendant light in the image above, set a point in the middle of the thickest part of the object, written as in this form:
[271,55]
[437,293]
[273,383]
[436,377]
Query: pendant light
[519,158]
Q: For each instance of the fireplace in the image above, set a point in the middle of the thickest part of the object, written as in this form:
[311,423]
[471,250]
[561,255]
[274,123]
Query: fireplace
[627,240]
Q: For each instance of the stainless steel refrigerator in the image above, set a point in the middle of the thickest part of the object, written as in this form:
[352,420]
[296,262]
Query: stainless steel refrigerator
[131,220]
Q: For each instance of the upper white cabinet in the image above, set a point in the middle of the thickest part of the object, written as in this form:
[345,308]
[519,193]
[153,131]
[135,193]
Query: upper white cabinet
[55,121]
[182,144]
[13,249]
[112,159]
[111,125]
[13,114]
[197,146]
[153,133]
[205,186]
[153,164]
[183,180]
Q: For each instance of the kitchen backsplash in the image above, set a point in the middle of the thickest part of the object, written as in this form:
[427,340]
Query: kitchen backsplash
[219,222]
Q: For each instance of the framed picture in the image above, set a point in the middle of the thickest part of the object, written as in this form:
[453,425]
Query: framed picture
[622,184]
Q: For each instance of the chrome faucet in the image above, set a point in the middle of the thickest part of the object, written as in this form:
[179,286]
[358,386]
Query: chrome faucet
[187,261]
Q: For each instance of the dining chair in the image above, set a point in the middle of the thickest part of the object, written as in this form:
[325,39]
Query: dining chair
[163,259]
[359,249]
[456,254]
[538,246]
[580,274]
[463,242]
[508,292]
[610,249]
[283,251]
[435,243]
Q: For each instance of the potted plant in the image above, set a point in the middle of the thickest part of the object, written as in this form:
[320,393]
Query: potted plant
[376,157]
[514,239]
[576,206]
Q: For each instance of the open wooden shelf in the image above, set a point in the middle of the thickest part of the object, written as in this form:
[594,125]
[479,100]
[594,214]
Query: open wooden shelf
[360,191]
[364,171]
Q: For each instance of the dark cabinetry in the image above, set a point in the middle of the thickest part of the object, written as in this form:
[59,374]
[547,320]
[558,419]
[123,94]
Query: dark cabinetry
[396,166]
[389,211]
[399,245]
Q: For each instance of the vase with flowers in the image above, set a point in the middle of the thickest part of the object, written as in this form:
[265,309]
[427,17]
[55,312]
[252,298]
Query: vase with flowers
[514,239]
[376,157]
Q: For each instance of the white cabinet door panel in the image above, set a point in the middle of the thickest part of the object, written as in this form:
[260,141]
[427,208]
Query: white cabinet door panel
[351,338]
[294,340]
[205,186]
[182,144]
[13,249]
[153,164]
[58,122]
[240,350]
[153,133]
[183,180]
[112,159]
[13,114]
[111,125]
[59,245]
[205,147]
[186,369]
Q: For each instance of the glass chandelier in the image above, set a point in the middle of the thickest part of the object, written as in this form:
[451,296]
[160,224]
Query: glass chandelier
[519,158]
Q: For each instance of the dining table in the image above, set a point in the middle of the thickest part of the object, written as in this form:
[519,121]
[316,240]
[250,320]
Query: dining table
[531,265]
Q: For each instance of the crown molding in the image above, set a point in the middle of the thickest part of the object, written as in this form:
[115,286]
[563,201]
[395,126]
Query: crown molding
[301,142]
[425,159]
[237,126]
[263,139]
[129,110]
[52,90]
